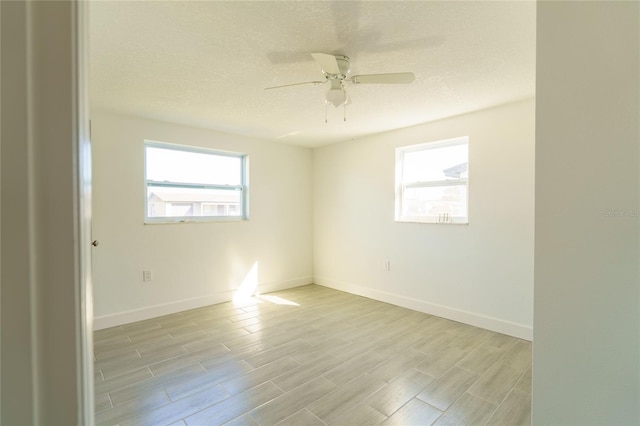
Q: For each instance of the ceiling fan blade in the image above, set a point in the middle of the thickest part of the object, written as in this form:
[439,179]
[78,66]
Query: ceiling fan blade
[390,78]
[295,84]
[327,62]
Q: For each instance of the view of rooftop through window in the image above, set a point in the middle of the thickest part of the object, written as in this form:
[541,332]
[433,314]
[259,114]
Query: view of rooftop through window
[185,182]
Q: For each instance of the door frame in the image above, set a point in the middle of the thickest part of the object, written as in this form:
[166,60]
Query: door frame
[82,153]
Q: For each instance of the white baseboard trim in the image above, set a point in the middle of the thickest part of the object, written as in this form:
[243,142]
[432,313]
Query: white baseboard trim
[148,312]
[284,285]
[520,331]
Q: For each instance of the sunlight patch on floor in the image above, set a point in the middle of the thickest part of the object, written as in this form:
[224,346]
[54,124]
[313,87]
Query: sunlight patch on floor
[277,300]
[247,292]
[248,287]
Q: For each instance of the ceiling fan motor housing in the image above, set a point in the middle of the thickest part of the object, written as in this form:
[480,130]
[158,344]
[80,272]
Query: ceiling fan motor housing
[344,64]
[336,95]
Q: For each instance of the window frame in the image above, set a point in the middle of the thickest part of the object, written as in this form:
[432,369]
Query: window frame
[243,187]
[401,186]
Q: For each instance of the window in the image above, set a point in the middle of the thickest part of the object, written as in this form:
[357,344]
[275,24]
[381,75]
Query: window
[432,182]
[194,184]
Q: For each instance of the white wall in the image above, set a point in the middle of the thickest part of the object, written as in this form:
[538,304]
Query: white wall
[586,358]
[193,264]
[481,273]
[18,405]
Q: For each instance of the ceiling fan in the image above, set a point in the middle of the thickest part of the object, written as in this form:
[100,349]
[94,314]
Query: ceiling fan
[336,70]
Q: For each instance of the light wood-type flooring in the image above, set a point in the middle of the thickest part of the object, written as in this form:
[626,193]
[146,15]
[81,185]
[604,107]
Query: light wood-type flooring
[309,356]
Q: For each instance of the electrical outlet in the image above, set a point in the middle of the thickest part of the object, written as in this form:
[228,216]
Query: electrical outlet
[387,265]
[147,276]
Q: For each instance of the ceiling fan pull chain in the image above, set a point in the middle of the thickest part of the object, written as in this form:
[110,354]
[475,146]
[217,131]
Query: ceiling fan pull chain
[344,110]
[326,105]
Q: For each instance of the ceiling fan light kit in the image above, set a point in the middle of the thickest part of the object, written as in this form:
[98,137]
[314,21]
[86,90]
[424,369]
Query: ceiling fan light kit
[336,70]
[336,97]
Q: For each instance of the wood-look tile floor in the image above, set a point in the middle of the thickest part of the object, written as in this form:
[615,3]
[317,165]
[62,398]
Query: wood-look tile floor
[309,356]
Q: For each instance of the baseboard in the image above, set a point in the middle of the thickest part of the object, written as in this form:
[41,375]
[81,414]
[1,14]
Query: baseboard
[284,285]
[520,331]
[148,312]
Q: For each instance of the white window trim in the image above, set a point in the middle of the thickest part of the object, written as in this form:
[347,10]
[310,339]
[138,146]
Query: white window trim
[400,186]
[243,187]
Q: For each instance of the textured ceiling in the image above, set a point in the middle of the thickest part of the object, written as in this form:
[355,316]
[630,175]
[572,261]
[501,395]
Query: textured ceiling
[206,63]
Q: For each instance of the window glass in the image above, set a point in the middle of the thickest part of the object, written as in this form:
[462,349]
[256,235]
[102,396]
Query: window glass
[173,165]
[445,163]
[436,201]
[184,184]
[432,182]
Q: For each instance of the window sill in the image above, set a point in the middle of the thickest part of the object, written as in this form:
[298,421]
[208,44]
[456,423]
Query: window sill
[164,221]
[428,222]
